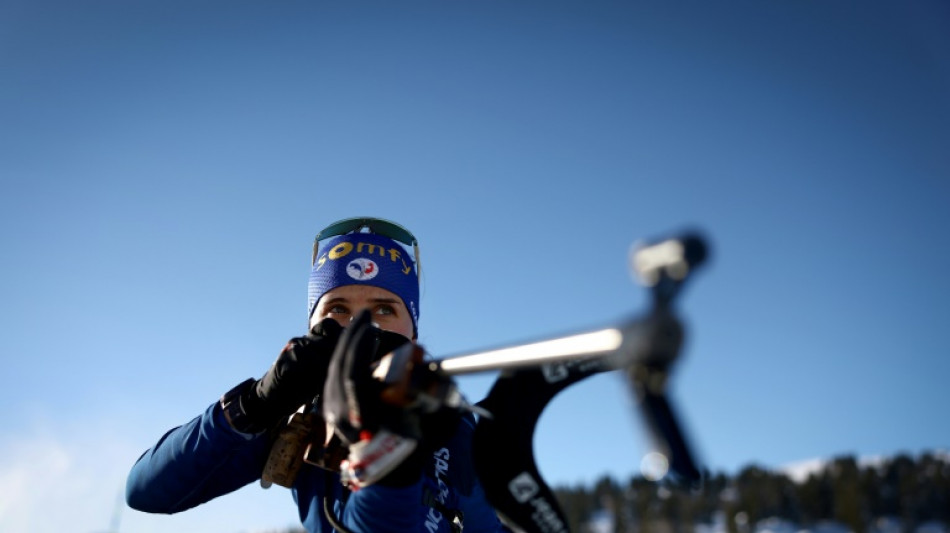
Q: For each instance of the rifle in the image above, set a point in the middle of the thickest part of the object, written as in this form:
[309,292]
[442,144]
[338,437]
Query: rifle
[643,347]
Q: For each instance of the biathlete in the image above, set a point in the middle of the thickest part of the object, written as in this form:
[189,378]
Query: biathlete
[406,470]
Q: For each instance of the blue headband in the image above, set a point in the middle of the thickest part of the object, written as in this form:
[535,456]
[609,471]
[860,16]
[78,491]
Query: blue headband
[365,259]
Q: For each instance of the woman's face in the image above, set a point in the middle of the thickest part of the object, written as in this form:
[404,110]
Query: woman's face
[344,303]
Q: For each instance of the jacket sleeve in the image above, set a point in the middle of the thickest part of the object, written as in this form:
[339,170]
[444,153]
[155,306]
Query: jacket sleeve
[478,514]
[194,463]
[450,480]
[399,510]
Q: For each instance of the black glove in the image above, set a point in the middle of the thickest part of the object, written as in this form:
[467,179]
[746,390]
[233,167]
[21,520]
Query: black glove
[295,378]
[383,437]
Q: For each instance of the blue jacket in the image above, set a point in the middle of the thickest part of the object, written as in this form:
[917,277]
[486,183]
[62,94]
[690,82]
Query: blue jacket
[206,458]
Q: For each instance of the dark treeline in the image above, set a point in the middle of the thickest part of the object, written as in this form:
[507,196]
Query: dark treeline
[913,490]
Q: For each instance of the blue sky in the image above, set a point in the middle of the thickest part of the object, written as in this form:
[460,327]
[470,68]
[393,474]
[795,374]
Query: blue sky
[164,167]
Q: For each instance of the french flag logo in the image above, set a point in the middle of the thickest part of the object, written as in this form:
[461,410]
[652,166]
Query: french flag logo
[362,269]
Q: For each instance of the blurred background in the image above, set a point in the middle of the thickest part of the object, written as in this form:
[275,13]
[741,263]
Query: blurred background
[164,167]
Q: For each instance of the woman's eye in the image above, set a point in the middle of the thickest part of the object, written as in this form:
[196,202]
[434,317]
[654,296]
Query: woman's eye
[385,310]
[337,310]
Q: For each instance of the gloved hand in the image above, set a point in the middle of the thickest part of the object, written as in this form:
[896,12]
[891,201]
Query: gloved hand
[383,436]
[295,378]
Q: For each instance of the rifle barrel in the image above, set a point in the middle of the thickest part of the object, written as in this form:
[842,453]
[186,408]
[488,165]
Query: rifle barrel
[578,346]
